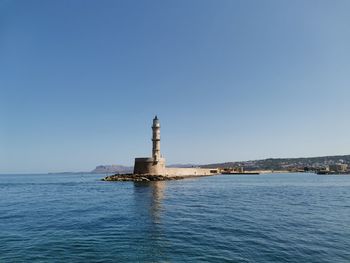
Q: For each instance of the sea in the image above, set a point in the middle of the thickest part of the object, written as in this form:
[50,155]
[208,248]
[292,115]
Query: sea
[292,217]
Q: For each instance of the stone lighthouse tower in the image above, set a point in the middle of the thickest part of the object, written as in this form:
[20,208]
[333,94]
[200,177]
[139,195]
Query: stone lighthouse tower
[156,140]
[154,165]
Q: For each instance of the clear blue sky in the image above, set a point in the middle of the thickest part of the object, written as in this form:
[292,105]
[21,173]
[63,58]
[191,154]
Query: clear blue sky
[80,81]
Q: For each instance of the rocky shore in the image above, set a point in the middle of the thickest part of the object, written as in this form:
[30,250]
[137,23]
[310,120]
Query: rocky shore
[140,178]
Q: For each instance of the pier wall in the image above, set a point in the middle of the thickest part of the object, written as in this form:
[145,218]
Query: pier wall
[189,172]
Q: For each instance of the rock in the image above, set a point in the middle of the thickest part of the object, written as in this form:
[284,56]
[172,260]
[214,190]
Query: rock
[144,179]
[139,178]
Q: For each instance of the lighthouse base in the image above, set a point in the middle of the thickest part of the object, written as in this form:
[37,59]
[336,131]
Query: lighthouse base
[149,166]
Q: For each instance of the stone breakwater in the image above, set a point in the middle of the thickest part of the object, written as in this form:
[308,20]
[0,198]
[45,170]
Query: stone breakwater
[140,178]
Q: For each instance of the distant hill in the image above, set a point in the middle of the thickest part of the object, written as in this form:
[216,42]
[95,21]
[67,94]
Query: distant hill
[112,169]
[285,163]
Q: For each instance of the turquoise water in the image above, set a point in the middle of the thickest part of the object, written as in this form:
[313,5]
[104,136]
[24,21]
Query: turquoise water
[241,218]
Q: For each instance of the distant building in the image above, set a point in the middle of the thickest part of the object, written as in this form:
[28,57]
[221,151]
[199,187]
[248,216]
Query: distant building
[339,167]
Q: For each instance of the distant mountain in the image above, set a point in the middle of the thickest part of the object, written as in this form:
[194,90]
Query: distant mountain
[112,169]
[285,163]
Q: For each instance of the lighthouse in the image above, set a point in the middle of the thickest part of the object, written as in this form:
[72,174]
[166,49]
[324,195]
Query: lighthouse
[154,165]
[156,140]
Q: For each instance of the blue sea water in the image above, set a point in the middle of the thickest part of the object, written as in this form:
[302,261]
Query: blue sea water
[241,218]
